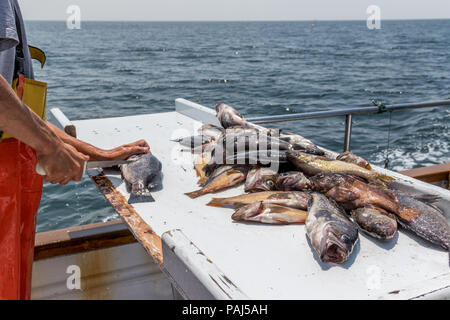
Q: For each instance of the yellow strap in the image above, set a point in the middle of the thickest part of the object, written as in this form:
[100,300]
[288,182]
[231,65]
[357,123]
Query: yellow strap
[37,54]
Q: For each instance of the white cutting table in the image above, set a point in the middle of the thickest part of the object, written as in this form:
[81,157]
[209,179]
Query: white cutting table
[207,255]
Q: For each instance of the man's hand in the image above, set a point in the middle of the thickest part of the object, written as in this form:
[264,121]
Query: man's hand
[125,151]
[62,163]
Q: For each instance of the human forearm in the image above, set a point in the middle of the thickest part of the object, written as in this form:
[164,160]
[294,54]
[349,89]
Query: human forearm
[98,154]
[23,124]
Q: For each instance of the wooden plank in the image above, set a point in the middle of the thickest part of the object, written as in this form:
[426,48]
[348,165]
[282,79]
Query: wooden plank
[439,172]
[141,230]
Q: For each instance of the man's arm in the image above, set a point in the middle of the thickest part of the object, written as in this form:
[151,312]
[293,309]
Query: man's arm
[60,161]
[97,154]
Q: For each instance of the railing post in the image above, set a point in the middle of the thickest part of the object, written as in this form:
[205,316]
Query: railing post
[348,132]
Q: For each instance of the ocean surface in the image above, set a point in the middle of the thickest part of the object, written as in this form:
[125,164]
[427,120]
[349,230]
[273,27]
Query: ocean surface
[110,69]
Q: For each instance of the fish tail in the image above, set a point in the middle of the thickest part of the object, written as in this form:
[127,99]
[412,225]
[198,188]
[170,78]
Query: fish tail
[216,202]
[139,194]
[195,194]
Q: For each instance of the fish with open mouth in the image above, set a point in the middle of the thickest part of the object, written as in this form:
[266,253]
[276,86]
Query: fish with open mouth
[350,157]
[352,193]
[141,176]
[332,234]
[269,213]
[311,165]
[228,116]
[260,179]
[292,181]
[224,177]
[376,222]
[291,199]
[430,225]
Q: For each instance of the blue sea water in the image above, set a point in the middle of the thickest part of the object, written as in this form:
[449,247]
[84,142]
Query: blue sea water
[109,69]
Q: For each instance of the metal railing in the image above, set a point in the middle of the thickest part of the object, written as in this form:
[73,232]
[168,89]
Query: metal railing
[348,113]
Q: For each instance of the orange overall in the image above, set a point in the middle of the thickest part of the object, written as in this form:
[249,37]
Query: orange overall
[20,195]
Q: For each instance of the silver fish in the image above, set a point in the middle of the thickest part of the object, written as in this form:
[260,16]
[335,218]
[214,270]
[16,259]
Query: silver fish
[332,234]
[141,176]
[260,179]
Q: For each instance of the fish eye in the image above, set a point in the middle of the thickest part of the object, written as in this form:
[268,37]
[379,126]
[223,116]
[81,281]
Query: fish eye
[270,183]
[345,238]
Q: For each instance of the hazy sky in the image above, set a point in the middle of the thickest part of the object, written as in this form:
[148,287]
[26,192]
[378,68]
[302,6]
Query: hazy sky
[186,10]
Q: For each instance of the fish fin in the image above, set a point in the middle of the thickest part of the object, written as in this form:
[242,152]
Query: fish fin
[195,194]
[427,198]
[368,166]
[409,214]
[216,202]
[202,180]
[140,197]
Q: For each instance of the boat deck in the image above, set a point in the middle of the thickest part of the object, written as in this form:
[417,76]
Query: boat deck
[207,255]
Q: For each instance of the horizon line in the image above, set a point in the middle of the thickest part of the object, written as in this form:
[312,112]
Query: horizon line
[270,20]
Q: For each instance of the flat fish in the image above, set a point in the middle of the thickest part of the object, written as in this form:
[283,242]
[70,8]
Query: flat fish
[142,176]
[332,234]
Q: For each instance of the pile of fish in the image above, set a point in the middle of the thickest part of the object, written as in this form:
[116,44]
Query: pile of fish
[288,179]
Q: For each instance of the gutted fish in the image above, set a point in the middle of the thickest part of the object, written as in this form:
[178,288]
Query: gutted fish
[376,222]
[225,177]
[269,213]
[292,181]
[141,176]
[330,231]
[260,179]
[292,199]
[311,165]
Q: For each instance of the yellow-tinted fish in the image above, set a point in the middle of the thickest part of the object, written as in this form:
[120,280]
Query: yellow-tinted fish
[311,165]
